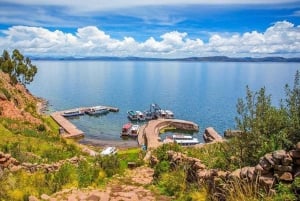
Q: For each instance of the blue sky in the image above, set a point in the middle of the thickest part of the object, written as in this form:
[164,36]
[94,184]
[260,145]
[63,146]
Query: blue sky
[170,28]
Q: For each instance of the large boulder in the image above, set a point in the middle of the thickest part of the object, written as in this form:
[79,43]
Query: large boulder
[210,135]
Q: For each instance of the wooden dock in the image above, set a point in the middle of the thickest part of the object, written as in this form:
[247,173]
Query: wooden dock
[71,131]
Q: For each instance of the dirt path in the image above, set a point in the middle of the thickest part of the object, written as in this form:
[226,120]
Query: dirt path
[130,187]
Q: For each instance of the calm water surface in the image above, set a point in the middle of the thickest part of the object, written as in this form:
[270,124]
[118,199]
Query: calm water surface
[205,93]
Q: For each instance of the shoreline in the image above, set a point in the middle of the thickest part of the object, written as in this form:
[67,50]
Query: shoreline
[109,143]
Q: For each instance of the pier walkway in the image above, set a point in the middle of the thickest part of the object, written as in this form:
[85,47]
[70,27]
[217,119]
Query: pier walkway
[71,131]
[149,134]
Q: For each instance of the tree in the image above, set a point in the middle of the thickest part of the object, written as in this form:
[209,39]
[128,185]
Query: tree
[18,67]
[263,126]
[293,109]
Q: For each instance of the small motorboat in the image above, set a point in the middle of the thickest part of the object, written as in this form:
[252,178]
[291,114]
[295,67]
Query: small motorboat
[97,110]
[134,131]
[109,151]
[132,115]
[72,113]
[126,129]
[140,116]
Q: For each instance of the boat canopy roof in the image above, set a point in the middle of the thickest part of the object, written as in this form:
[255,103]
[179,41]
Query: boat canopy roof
[131,112]
[127,126]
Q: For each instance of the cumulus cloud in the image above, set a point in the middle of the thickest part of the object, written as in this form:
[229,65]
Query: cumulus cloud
[281,39]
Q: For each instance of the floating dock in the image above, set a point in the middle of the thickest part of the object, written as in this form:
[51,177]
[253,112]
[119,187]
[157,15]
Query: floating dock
[71,131]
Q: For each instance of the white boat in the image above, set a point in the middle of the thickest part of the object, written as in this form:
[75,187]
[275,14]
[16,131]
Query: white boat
[109,151]
[185,140]
[161,114]
[134,131]
[148,115]
[140,116]
[72,113]
[170,114]
[97,110]
[182,137]
[132,115]
[192,141]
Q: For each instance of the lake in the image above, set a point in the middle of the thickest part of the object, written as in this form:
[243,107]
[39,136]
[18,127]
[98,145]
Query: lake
[203,92]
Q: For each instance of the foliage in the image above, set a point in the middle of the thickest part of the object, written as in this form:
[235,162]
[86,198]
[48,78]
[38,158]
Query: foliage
[284,192]
[19,68]
[135,155]
[161,152]
[6,93]
[110,164]
[172,183]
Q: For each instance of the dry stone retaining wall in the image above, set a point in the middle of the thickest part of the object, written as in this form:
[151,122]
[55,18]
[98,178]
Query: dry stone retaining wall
[278,166]
[10,163]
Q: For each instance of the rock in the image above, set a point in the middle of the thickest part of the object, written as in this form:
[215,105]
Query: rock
[298,146]
[296,172]
[15,168]
[269,158]
[264,163]
[244,173]
[295,154]
[235,174]
[287,160]
[153,160]
[203,174]
[45,197]
[199,166]
[267,181]
[286,176]
[232,133]
[33,198]
[251,173]
[259,170]
[3,160]
[297,162]
[283,168]
[210,135]
[278,155]
[93,198]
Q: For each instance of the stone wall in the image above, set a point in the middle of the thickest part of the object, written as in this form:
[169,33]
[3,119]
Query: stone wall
[10,163]
[278,166]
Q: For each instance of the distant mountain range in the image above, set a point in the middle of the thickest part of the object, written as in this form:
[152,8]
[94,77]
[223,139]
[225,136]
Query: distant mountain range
[192,59]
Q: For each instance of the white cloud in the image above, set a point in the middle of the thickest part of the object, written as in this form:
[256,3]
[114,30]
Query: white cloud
[281,39]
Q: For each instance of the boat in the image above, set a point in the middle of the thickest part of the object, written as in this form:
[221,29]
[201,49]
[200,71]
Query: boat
[97,110]
[148,115]
[182,137]
[126,129]
[170,114]
[72,113]
[161,114]
[185,140]
[134,131]
[140,116]
[132,115]
[109,151]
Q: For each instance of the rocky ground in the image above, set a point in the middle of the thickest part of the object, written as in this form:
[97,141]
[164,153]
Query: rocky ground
[130,187]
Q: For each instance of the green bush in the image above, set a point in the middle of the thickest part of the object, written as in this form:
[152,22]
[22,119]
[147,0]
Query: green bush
[110,164]
[6,93]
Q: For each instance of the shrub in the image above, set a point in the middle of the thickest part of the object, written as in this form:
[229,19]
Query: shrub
[41,128]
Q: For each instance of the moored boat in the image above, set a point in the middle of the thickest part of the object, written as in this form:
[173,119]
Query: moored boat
[109,151]
[170,114]
[140,116]
[97,110]
[185,140]
[134,131]
[126,129]
[132,115]
[72,113]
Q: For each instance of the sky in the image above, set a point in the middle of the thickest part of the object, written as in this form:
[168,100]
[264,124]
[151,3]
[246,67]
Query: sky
[157,29]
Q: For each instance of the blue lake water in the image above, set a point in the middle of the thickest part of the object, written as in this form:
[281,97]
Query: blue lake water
[203,92]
